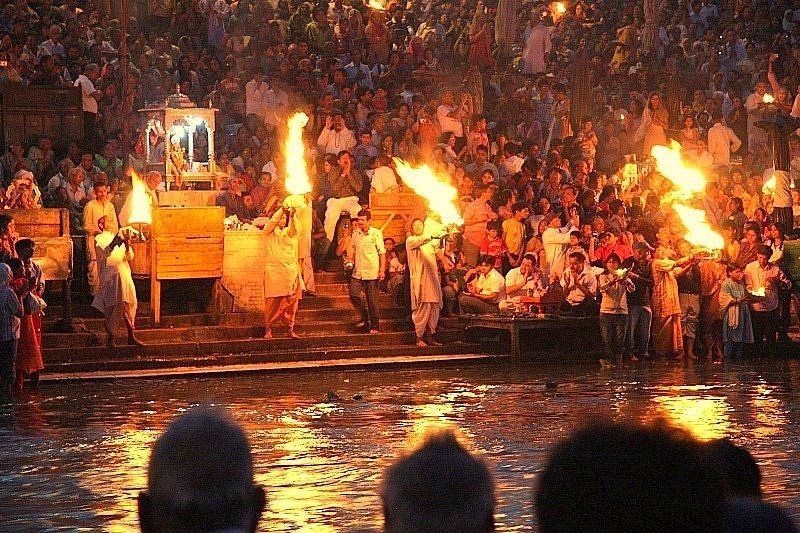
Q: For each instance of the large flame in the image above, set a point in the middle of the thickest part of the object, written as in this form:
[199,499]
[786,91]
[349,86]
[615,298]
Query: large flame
[698,231]
[688,182]
[297,181]
[441,195]
[140,202]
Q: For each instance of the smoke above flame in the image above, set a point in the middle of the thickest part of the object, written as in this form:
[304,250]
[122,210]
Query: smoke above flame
[297,180]
[689,182]
[441,195]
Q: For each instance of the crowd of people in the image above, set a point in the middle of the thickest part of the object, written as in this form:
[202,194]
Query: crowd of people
[652,478]
[540,118]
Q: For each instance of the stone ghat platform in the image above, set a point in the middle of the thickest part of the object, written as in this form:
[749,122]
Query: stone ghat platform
[208,343]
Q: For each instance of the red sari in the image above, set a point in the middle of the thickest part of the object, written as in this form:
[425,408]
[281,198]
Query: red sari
[29,349]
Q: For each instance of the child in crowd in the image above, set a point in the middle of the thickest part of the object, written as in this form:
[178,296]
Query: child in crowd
[493,245]
[395,268]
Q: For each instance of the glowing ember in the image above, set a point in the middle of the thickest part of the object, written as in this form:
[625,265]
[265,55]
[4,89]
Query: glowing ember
[297,181]
[622,116]
[621,272]
[559,7]
[698,231]
[140,202]
[767,98]
[374,4]
[761,292]
[441,196]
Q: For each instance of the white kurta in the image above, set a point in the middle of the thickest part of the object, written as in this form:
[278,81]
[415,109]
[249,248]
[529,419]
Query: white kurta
[426,287]
[116,282]
[281,266]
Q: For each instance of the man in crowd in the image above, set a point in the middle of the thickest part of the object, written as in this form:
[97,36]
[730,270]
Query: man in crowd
[439,487]
[200,477]
[484,294]
[763,275]
[345,186]
[580,286]
[100,207]
[369,268]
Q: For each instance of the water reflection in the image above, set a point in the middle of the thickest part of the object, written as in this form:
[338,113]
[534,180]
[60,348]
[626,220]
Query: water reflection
[320,442]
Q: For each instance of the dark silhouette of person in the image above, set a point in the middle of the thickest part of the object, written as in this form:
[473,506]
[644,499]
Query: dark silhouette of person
[439,488]
[200,478]
[613,477]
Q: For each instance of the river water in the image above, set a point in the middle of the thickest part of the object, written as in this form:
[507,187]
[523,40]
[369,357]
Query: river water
[74,455]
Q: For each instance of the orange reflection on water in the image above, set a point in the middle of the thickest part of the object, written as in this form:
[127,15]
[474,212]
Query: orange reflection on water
[769,415]
[705,417]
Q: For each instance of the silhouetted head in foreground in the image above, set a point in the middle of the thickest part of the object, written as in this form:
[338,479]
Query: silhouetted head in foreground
[200,478]
[610,477]
[740,473]
[439,488]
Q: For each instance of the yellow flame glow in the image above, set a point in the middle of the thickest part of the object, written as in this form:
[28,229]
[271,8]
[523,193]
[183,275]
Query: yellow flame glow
[297,180]
[374,4]
[767,98]
[141,207]
[769,185]
[559,7]
[761,291]
[688,182]
[698,231]
[441,195]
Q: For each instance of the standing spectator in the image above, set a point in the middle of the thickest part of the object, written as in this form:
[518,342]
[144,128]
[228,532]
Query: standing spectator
[614,285]
[655,122]
[537,45]
[762,275]
[94,210]
[29,350]
[10,316]
[722,141]
[737,327]
[255,91]
[423,246]
[450,116]
[90,96]
[640,314]
[476,215]
[555,240]
[369,267]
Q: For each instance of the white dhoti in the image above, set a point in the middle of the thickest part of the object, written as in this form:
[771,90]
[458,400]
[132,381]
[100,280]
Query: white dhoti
[426,315]
[334,209]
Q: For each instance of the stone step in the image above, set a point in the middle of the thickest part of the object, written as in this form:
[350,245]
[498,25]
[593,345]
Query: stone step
[245,344]
[126,358]
[253,328]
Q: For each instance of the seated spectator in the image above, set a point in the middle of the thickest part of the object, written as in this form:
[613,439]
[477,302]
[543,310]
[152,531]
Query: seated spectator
[439,487]
[612,477]
[484,294]
[200,478]
[525,280]
[493,245]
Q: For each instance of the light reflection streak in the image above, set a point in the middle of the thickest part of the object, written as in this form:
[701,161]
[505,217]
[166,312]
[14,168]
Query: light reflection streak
[770,418]
[705,417]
